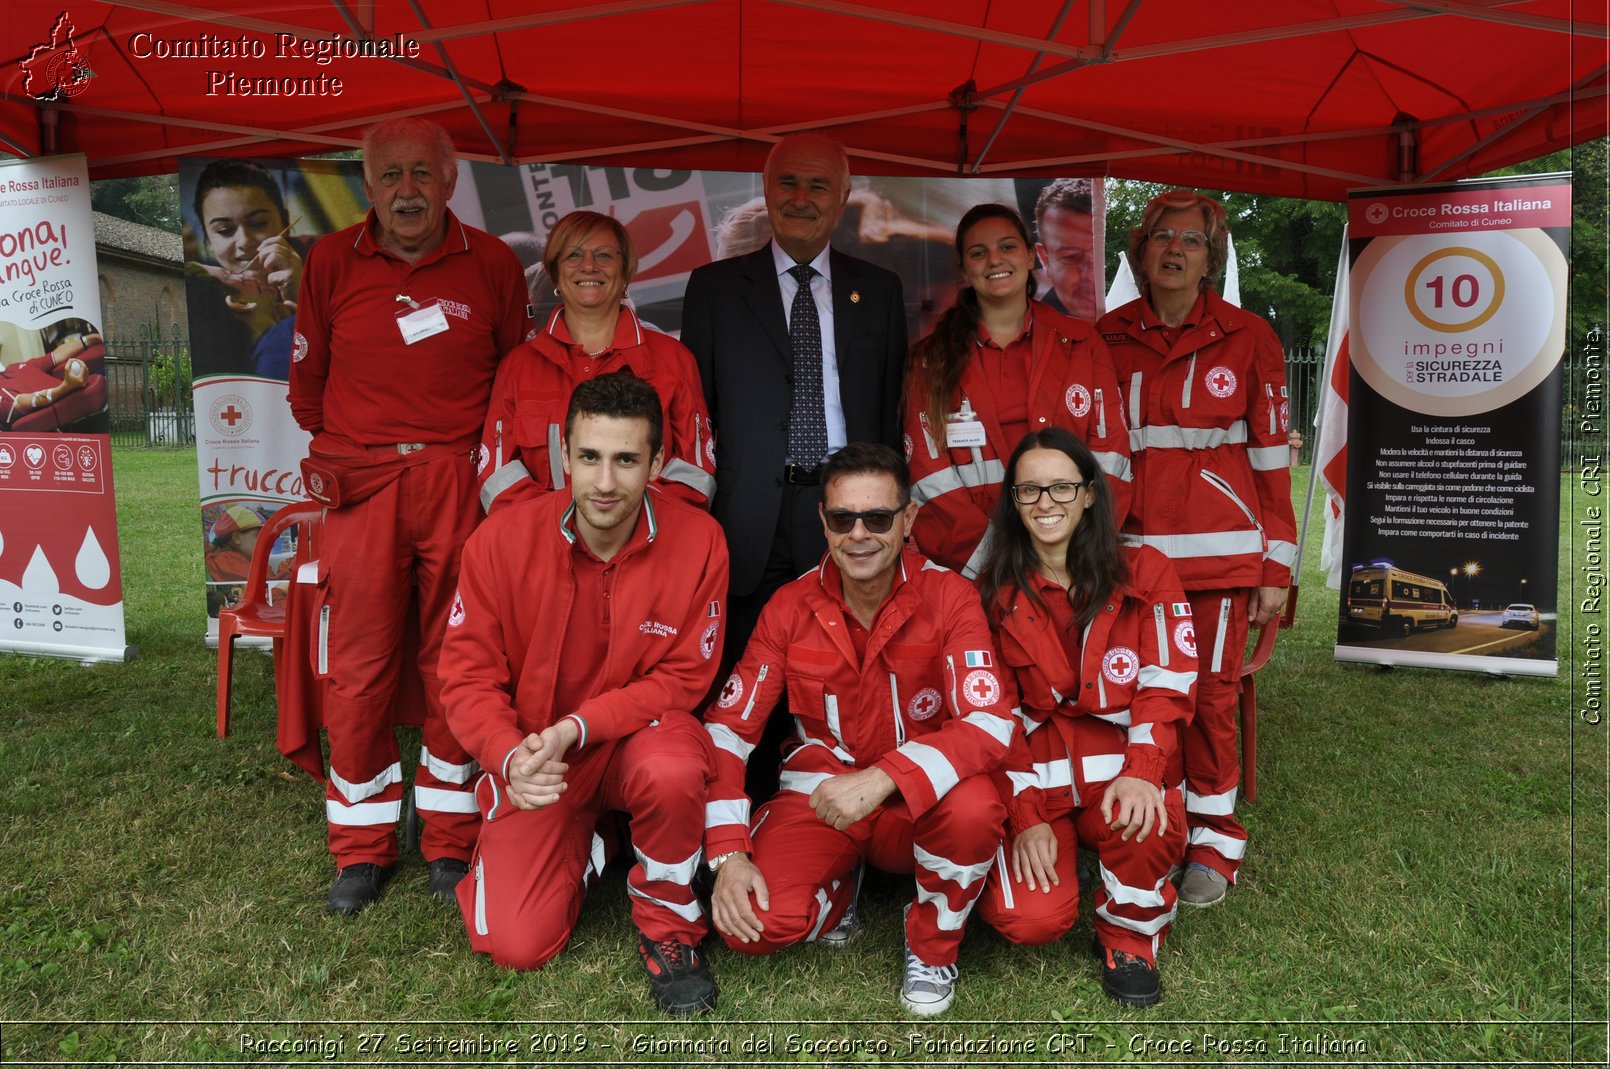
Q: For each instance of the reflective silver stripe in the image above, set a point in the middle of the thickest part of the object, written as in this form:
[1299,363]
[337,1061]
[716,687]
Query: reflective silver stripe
[357,792]
[1134,400]
[994,726]
[1119,717]
[837,751]
[1233,849]
[1141,735]
[1162,635]
[1116,465]
[952,920]
[727,739]
[824,906]
[1167,436]
[899,723]
[830,710]
[1210,544]
[935,766]
[508,475]
[324,640]
[1211,805]
[1218,639]
[1006,883]
[1100,767]
[978,473]
[680,471]
[1126,895]
[1190,376]
[1101,415]
[1270,457]
[1151,927]
[963,876]
[760,677]
[480,898]
[1021,781]
[1152,675]
[976,561]
[1282,552]
[436,800]
[556,460]
[726,812]
[362,815]
[688,911]
[667,871]
[1053,774]
[596,860]
[446,771]
[803,782]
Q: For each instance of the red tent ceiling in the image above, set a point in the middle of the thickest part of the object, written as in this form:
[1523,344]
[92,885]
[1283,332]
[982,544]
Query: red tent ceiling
[1300,97]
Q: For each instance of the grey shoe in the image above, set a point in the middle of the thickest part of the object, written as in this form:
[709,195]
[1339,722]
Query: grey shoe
[1202,886]
[849,928]
[927,990]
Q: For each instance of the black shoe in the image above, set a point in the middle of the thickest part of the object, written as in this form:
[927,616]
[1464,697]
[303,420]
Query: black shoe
[678,976]
[445,872]
[355,887]
[1130,979]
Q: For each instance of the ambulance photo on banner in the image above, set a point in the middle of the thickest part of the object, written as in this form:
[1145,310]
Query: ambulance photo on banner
[248,225]
[1451,543]
[61,588]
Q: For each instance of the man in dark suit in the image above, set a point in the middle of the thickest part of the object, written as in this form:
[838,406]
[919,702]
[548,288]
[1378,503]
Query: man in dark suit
[785,390]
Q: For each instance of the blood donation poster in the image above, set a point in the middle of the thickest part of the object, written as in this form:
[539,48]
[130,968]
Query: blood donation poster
[242,293]
[1453,487]
[61,589]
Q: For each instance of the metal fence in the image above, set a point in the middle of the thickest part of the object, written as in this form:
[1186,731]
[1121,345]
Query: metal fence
[148,389]
[1304,370]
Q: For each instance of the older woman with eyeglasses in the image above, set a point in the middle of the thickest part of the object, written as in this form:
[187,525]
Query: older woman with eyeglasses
[1205,386]
[593,331]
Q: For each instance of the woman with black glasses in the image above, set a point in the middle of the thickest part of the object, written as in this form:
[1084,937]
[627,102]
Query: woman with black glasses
[1205,387]
[998,365]
[1097,640]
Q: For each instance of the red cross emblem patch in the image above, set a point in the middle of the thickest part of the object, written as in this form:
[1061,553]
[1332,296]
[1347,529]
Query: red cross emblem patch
[707,641]
[924,704]
[731,692]
[1220,381]
[455,615]
[1077,399]
[982,687]
[906,439]
[1120,665]
[1185,637]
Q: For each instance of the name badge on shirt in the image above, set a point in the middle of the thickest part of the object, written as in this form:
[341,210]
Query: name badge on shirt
[420,322]
[963,432]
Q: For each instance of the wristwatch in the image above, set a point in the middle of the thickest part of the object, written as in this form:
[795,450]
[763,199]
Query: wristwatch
[716,862]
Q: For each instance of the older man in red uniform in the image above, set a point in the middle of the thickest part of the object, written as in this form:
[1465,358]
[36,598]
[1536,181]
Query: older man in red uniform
[400,325]
[899,717]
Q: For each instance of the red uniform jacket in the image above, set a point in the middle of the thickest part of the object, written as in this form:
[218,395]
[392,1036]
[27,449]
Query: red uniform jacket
[352,374]
[1116,712]
[1208,433]
[500,654]
[519,456]
[925,704]
[1071,385]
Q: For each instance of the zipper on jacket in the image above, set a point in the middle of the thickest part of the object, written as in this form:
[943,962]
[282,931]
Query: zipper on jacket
[955,703]
[1218,640]
[894,694]
[1269,393]
[324,640]
[1101,416]
[1134,402]
[760,677]
[556,463]
[1225,489]
[480,899]
[1162,635]
[1190,376]
[698,449]
[497,442]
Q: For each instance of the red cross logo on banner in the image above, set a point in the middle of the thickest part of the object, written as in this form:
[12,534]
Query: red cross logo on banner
[1221,381]
[731,692]
[1120,665]
[231,415]
[982,687]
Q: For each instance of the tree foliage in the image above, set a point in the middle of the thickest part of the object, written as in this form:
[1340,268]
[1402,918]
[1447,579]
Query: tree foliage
[152,200]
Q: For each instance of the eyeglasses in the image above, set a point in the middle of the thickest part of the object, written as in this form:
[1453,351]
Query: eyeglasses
[1061,493]
[1191,240]
[603,256]
[877,521]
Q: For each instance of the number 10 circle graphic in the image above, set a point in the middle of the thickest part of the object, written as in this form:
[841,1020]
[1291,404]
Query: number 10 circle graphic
[1450,296]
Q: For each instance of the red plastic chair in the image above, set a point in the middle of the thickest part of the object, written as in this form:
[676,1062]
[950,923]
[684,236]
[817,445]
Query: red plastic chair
[255,615]
[1249,707]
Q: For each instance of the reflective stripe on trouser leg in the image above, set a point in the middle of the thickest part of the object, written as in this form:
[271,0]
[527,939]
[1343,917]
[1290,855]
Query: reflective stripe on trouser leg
[1212,758]
[954,846]
[1134,900]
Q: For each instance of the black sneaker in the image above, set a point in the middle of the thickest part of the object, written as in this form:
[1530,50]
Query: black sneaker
[355,887]
[678,976]
[1128,978]
[445,873]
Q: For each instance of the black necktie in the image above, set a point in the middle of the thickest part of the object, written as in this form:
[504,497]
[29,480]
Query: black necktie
[807,430]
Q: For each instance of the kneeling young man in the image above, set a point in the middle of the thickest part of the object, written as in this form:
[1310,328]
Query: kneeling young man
[899,718]
[581,637]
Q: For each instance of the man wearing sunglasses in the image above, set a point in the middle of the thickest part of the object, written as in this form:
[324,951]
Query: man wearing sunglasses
[899,717]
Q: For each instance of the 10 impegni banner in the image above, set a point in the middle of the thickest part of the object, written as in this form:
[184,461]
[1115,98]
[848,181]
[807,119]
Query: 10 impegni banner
[1453,485]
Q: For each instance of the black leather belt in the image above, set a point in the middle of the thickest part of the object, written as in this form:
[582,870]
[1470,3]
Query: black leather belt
[802,476]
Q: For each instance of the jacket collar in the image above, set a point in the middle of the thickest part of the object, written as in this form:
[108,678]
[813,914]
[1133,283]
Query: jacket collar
[646,530]
[455,240]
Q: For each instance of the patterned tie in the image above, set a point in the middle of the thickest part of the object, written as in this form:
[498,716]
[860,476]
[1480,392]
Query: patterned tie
[807,430]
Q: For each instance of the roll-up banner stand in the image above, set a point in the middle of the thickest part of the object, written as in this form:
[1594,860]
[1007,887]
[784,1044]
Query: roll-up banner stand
[61,590]
[1458,312]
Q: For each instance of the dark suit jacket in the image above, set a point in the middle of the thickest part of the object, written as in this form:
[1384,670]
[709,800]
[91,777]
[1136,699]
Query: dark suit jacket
[733,321]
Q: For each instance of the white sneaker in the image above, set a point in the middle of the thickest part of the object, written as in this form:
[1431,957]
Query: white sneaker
[849,927]
[927,990]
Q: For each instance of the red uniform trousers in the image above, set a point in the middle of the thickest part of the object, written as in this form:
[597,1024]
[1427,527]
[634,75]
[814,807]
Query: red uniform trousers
[402,544]
[1212,759]
[532,866]
[807,865]
[1135,900]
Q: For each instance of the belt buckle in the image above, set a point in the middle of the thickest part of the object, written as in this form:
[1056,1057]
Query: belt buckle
[404,448]
[799,475]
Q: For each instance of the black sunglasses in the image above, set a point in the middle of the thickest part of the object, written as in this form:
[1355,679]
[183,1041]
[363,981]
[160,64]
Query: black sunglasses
[877,521]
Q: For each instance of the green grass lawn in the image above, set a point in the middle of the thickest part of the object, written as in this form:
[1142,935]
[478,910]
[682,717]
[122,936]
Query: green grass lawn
[1426,883]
